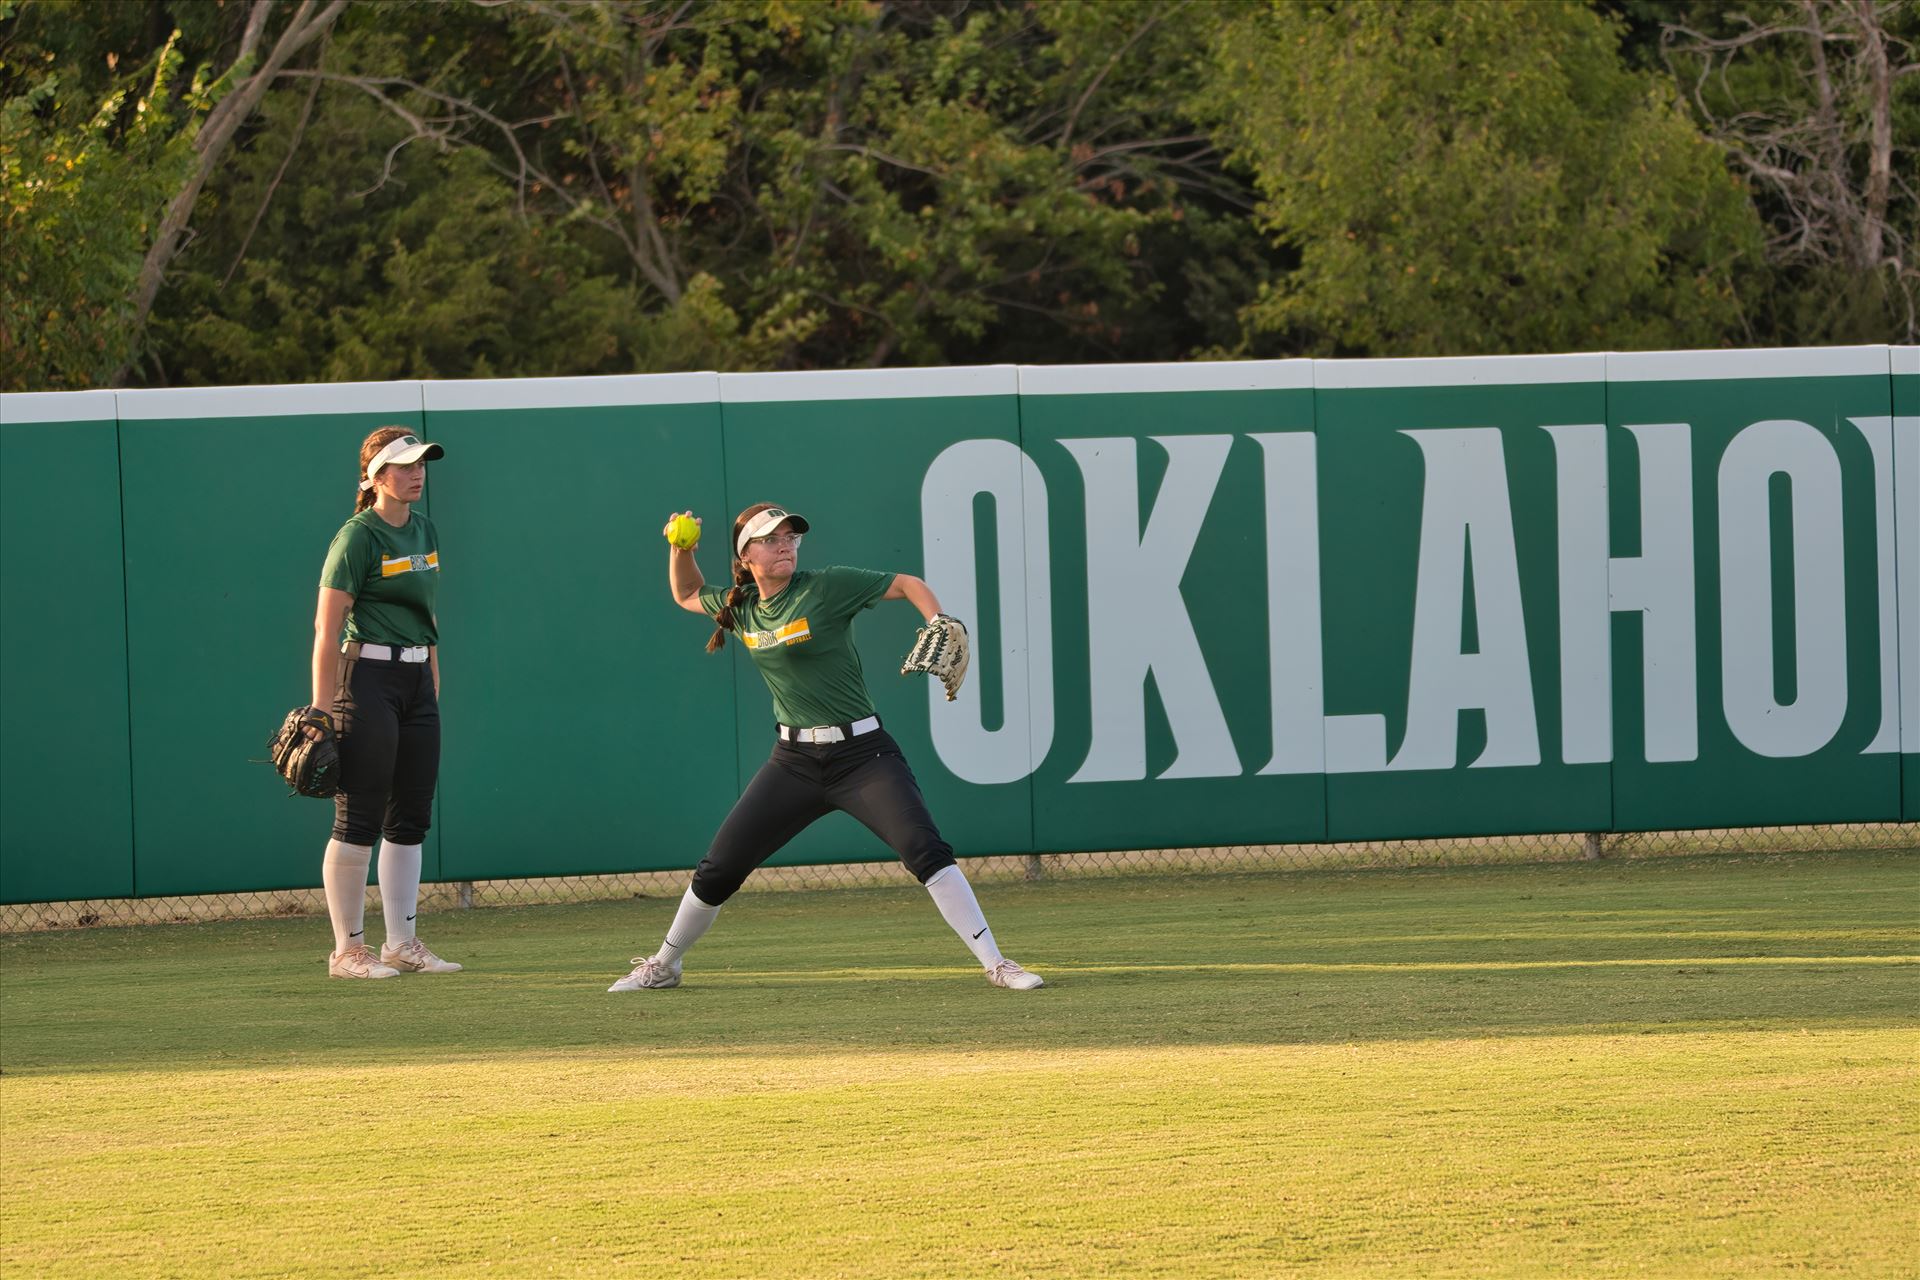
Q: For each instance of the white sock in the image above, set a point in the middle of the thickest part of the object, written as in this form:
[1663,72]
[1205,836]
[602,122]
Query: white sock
[961,910]
[343,873]
[690,924]
[399,889]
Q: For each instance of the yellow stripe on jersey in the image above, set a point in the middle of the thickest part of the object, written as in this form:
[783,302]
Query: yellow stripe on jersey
[792,633]
[390,565]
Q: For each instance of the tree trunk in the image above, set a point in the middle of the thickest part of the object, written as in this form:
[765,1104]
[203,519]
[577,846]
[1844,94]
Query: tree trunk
[1879,87]
[215,135]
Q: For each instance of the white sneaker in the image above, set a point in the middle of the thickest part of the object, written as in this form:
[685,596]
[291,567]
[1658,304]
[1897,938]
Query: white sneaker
[648,972]
[1011,976]
[358,962]
[412,956]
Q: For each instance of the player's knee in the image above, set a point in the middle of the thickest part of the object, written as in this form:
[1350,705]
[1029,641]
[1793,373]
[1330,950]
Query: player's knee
[929,860]
[360,831]
[714,886]
[358,817]
[407,823]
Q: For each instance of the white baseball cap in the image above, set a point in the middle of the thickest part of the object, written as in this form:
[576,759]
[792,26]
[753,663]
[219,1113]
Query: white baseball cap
[402,450]
[765,523]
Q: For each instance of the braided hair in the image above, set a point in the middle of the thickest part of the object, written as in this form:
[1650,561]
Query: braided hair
[743,583]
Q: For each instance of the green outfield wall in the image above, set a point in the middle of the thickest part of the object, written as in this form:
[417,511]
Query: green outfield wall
[66,783]
[1227,603]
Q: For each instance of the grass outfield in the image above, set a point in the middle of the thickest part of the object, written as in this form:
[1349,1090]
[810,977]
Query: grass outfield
[1687,1067]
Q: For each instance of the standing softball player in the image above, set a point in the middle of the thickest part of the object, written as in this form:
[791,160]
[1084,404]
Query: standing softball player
[829,750]
[383,689]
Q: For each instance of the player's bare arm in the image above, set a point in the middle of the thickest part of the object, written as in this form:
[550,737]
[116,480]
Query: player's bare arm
[684,578]
[915,592]
[329,617]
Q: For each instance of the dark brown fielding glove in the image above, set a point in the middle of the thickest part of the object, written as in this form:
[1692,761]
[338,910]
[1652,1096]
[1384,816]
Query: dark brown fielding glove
[309,763]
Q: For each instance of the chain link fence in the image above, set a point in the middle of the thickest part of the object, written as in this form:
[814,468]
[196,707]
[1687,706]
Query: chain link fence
[1482,851]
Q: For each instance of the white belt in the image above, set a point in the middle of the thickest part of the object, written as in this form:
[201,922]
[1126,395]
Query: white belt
[387,653]
[829,732]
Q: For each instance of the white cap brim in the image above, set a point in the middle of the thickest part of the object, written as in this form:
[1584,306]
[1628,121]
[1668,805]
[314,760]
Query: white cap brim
[765,523]
[402,451]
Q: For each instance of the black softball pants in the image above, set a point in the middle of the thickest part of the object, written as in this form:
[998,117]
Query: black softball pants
[387,716]
[801,782]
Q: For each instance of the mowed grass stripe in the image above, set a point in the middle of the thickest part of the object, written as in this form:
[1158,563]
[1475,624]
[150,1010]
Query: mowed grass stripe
[1222,1081]
[1449,1157]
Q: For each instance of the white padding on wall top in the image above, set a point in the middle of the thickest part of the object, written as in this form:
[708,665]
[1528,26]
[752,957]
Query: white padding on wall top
[574,393]
[270,402]
[982,380]
[20,407]
[1221,375]
[1459,371]
[1774,362]
[870,384]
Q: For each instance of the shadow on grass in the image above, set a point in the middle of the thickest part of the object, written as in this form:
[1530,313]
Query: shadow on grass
[1726,943]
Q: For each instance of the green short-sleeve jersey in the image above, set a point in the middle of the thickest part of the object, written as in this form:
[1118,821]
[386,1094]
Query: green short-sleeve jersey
[391,575]
[802,643]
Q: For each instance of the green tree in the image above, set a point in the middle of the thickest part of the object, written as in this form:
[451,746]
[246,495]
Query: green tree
[1817,102]
[1461,179]
[335,246]
[85,173]
[838,184]
[101,199]
[375,190]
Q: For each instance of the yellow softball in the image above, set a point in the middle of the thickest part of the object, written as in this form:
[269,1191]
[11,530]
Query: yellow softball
[683,532]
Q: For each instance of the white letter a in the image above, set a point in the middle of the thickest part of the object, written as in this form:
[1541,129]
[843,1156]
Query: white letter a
[1465,497]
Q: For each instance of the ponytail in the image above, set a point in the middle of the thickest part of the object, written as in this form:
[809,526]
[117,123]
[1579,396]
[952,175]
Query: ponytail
[736,596]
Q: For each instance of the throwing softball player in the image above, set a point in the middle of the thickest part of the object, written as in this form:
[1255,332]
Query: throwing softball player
[829,750]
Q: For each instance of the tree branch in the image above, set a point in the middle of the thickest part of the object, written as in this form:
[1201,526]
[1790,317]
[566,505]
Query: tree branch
[1073,116]
[213,137]
[1823,161]
[299,132]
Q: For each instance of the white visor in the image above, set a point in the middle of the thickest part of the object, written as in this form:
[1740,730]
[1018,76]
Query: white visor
[401,450]
[765,523]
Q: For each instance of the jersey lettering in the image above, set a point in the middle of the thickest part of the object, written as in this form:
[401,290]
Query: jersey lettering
[390,565]
[793,633]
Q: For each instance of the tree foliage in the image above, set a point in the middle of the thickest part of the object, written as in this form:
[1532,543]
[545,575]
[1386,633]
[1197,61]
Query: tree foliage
[1817,103]
[1476,178]
[845,183]
[315,189]
[85,170]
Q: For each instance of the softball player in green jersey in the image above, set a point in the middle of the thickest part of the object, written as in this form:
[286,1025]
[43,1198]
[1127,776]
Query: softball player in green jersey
[382,691]
[829,750]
